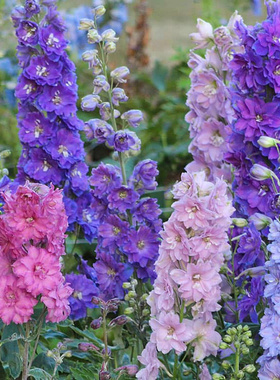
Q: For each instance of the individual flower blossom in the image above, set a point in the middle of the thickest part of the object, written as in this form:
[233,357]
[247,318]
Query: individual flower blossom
[111,275]
[204,338]
[150,360]
[143,176]
[104,178]
[124,140]
[57,303]
[38,272]
[133,117]
[98,129]
[122,198]
[16,305]
[169,333]
[113,230]
[83,291]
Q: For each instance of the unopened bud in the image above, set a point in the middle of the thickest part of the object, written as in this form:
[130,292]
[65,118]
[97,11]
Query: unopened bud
[5,171]
[145,312]
[126,285]
[128,310]
[130,369]
[250,368]
[260,172]
[86,24]
[267,142]
[245,350]
[239,222]
[224,346]
[93,36]
[96,323]
[118,321]
[240,374]
[5,153]
[67,354]
[109,35]
[260,221]
[84,346]
[99,11]
[132,294]
[104,375]
[225,365]
[110,47]
[249,342]
[227,339]
[120,73]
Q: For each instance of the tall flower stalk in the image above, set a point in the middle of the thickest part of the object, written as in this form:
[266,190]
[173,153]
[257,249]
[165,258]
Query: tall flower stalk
[52,151]
[128,228]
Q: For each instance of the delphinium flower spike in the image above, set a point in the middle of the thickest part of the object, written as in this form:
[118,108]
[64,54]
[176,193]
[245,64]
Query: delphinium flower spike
[52,150]
[128,233]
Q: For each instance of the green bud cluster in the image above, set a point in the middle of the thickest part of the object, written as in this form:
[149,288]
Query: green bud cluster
[238,339]
[132,299]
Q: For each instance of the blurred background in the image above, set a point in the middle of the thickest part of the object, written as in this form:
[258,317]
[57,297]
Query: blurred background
[154,44]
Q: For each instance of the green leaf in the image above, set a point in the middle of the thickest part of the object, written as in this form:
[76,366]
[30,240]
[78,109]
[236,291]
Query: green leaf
[42,361]
[84,373]
[9,351]
[39,374]
[15,366]
[87,334]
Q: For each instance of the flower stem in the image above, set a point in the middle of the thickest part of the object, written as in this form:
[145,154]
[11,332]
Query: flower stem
[25,367]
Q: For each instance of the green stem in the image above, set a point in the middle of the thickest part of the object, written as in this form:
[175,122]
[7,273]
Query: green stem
[175,369]
[236,364]
[41,320]
[26,352]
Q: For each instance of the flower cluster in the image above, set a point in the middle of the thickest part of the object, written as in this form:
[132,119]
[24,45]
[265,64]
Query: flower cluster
[209,99]
[31,242]
[253,142]
[188,281]
[270,322]
[128,227]
[48,126]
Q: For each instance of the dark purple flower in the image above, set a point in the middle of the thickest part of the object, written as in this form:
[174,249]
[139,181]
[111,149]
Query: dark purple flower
[78,178]
[111,276]
[42,167]
[255,117]
[146,210]
[268,40]
[87,270]
[71,210]
[143,176]
[27,33]
[80,300]
[249,302]
[60,99]
[122,198]
[86,216]
[43,70]
[142,246]
[27,89]
[52,41]
[24,54]
[66,148]
[113,230]
[35,129]
[249,246]
[104,178]
[31,7]
[124,140]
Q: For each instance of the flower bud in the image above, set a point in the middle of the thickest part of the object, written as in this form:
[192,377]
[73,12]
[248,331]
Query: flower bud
[267,142]
[67,354]
[128,310]
[249,342]
[132,294]
[5,171]
[249,368]
[130,369]
[227,339]
[99,11]
[89,102]
[96,323]
[218,376]
[224,346]
[118,321]
[126,285]
[5,153]
[145,312]
[91,56]
[104,375]
[240,374]
[239,222]
[86,24]
[93,36]
[134,282]
[84,346]
[225,365]
[109,35]
[110,47]
[245,350]
[260,172]
[120,73]
[260,221]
